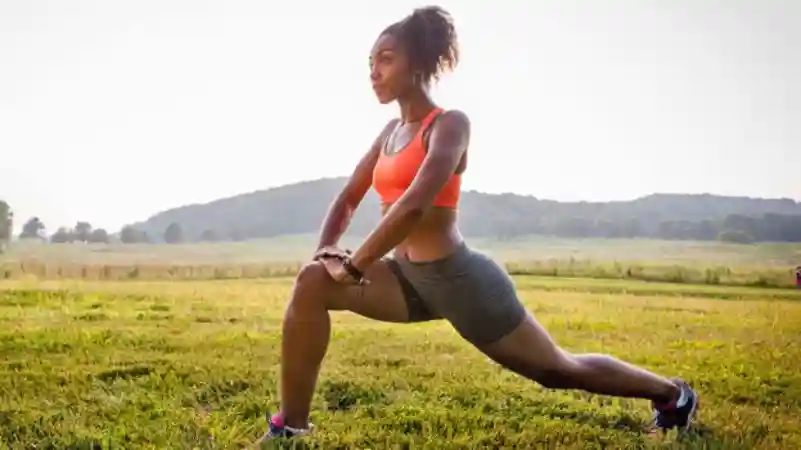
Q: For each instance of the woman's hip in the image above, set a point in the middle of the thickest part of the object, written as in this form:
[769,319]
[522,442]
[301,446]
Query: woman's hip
[470,290]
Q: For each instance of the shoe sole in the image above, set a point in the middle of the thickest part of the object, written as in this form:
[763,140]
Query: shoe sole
[690,417]
[682,429]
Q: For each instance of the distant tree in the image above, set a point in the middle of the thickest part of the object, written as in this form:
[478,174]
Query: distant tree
[6,225]
[62,235]
[236,235]
[208,236]
[173,234]
[130,235]
[82,231]
[33,229]
[98,236]
[735,237]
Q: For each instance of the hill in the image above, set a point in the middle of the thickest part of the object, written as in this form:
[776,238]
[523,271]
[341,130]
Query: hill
[300,208]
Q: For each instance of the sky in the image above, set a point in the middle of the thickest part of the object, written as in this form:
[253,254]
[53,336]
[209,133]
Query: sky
[111,111]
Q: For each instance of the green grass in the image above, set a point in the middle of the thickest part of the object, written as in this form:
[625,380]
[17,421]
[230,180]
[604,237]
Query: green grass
[195,364]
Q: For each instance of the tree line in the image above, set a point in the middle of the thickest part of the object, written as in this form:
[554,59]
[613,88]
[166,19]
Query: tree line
[6,225]
[83,232]
[734,228]
[300,208]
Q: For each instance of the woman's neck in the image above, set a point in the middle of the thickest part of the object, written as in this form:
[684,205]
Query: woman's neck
[416,106]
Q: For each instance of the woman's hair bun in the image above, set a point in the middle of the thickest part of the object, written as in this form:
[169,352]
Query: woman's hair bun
[430,36]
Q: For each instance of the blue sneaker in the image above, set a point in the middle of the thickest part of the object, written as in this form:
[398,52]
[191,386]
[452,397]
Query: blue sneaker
[679,413]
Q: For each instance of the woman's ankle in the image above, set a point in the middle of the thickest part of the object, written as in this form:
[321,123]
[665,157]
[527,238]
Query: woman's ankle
[669,397]
[281,419]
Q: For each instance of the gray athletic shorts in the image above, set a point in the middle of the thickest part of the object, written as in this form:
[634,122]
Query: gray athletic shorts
[466,288]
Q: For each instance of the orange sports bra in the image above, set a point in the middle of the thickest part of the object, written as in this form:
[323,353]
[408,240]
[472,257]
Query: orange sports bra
[394,173]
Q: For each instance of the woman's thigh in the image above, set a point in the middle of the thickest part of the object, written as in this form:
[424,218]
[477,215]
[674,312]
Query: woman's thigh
[387,296]
[528,350]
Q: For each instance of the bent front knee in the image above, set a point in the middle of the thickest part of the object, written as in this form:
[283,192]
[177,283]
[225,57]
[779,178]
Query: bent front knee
[310,284]
[312,274]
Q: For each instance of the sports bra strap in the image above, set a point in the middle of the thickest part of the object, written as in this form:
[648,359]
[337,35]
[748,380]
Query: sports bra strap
[429,118]
[424,124]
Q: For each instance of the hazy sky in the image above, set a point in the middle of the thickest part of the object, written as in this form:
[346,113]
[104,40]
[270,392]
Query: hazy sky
[113,110]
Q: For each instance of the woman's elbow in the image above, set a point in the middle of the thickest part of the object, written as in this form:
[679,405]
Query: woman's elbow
[413,208]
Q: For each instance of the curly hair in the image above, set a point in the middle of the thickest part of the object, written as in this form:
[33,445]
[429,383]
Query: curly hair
[429,37]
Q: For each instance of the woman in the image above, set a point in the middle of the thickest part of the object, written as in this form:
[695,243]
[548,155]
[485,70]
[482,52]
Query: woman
[415,165]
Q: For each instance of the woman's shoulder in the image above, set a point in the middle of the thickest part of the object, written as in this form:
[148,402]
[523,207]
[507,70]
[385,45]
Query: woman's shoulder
[453,114]
[452,120]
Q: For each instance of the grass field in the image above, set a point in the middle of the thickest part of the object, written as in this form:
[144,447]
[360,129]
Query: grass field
[193,364]
[156,346]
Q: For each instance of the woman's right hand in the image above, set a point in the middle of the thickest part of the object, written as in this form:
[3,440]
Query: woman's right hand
[330,251]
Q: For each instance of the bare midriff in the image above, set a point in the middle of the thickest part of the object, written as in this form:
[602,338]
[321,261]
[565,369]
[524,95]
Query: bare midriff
[435,236]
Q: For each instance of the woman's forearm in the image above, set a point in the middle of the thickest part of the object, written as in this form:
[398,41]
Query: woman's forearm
[391,231]
[336,222]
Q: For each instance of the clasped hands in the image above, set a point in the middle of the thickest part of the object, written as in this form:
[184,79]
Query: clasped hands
[333,259]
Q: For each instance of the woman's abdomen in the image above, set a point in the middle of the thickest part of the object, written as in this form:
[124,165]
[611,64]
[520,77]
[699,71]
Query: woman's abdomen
[435,236]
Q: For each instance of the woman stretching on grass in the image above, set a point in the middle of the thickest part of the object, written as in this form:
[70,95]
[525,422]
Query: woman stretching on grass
[415,165]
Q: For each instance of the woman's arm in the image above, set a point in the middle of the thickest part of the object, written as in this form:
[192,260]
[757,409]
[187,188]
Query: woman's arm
[447,143]
[344,205]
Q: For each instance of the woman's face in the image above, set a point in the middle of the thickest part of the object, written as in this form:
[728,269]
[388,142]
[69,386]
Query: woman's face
[390,71]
